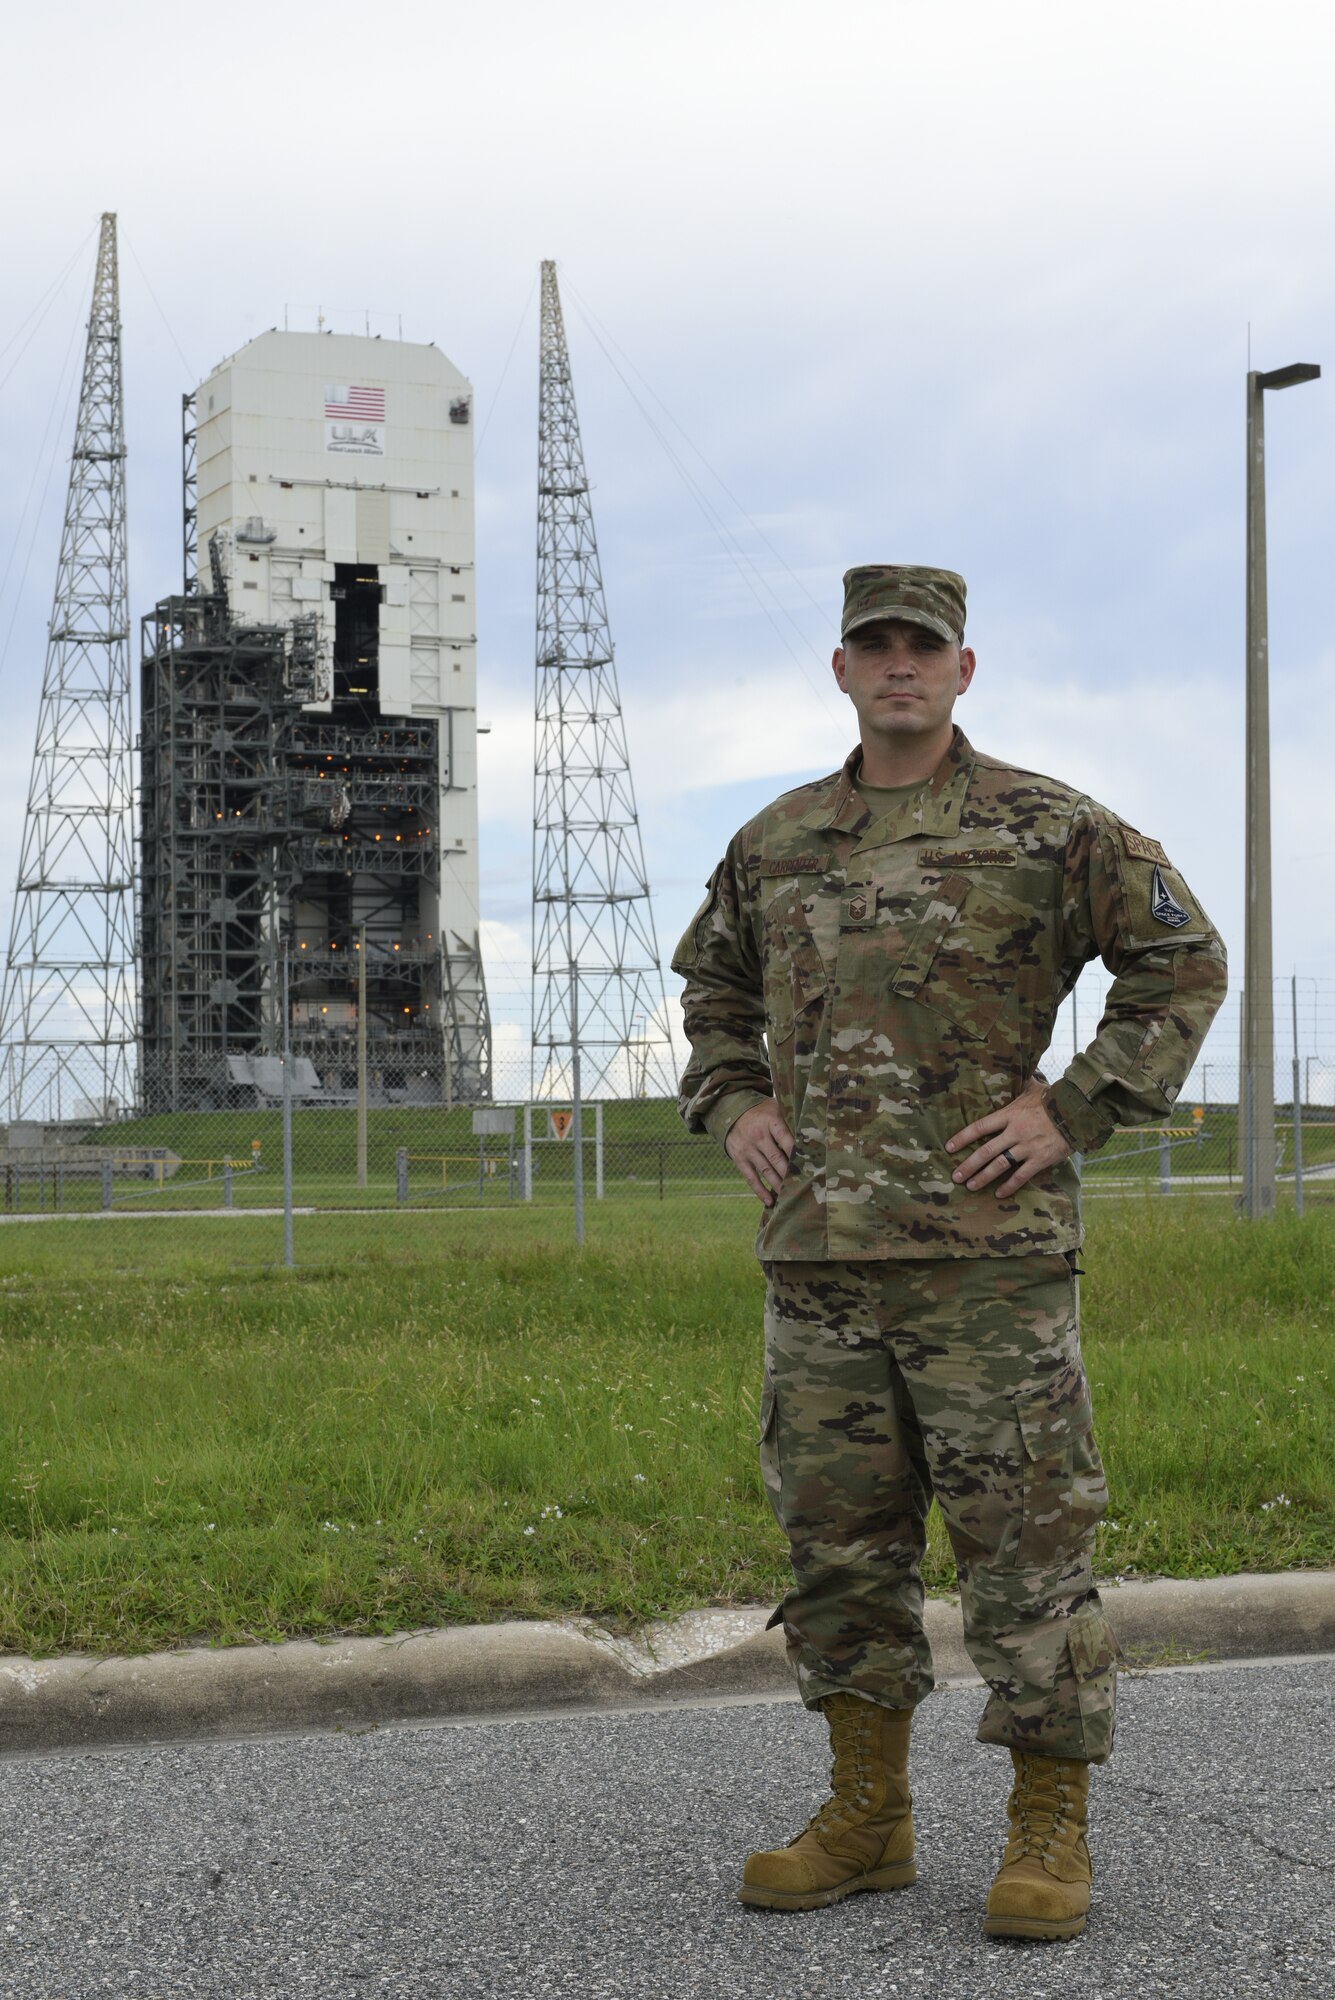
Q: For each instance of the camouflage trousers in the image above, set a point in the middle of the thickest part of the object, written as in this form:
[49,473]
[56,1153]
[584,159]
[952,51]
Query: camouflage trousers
[889,1381]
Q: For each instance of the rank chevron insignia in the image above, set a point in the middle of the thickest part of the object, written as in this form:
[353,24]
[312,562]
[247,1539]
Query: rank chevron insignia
[1164,905]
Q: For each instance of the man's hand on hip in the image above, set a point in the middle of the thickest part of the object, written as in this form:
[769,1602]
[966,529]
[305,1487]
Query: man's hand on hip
[1017,1143]
[760,1146]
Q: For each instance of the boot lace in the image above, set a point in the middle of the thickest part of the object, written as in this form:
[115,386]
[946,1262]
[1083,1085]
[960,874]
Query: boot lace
[850,1737]
[1039,1810]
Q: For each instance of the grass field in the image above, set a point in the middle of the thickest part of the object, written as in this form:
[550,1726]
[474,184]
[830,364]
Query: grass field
[436,1426]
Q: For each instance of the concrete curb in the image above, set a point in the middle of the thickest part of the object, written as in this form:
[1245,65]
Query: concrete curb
[80,1702]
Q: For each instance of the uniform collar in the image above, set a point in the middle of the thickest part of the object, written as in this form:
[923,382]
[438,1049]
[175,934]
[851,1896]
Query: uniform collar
[934,809]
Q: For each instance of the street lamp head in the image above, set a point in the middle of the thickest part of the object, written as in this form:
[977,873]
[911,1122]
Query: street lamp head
[1288,378]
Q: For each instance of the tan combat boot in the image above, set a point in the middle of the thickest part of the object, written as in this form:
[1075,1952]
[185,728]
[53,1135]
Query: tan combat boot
[1041,1889]
[862,1837]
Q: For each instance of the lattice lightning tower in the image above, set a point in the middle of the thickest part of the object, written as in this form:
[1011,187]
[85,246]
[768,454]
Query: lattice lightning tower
[67,1021]
[595,954]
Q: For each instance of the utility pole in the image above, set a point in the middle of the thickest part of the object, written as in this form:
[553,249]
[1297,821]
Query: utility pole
[1257,1091]
[595,953]
[1297,1107]
[67,1008]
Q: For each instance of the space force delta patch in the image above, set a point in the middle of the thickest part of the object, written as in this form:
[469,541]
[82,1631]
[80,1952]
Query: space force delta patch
[1164,906]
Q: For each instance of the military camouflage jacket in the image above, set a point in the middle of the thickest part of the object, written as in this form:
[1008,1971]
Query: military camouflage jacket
[906,971]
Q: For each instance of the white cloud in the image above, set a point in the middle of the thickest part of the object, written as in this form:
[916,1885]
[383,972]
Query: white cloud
[976,293]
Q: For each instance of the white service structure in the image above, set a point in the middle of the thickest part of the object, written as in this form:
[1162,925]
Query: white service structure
[335,476]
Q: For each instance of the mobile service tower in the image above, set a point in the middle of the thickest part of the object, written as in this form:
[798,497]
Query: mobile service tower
[309,735]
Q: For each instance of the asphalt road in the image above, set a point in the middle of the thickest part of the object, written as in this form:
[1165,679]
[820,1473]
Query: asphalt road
[596,1856]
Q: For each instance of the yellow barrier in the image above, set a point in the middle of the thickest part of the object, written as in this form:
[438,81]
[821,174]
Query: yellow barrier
[469,1160]
[124,1162]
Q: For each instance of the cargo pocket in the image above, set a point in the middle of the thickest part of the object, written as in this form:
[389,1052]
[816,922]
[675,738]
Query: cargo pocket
[771,1476]
[1095,1655]
[1065,1493]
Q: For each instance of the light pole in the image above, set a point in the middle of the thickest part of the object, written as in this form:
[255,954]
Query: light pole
[1257,1093]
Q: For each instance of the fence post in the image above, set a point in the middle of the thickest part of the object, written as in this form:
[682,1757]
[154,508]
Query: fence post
[1165,1163]
[1297,1109]
[598,1181]
[227,1183]
[401,1174]
[106,1184]
[528,1152]
[662,1155]
[576,1105]
[361,1057]
[288,1258]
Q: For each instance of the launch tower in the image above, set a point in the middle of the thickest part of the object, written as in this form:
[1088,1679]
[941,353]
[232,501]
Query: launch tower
[309,734]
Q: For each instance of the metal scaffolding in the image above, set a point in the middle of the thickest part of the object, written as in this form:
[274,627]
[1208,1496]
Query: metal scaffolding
[597,979]
[67,1009]
[270,835]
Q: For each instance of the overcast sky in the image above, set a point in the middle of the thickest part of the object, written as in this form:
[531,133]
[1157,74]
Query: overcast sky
[967,284]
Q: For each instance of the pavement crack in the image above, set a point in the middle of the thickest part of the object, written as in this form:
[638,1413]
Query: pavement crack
[1226,1825]
[1269,1846]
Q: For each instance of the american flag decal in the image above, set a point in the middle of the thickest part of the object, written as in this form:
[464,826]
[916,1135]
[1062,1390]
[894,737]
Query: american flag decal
[354,405]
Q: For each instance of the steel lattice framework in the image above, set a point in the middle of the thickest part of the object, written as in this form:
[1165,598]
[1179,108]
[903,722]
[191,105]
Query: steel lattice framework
[595,954]
[67,1014]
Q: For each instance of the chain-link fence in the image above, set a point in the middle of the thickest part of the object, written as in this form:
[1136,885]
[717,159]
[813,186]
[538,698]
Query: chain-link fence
[285,1143]
[265,1137]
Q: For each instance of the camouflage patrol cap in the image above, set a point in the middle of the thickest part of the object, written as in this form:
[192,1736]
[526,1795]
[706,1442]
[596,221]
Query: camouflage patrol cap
[930,597]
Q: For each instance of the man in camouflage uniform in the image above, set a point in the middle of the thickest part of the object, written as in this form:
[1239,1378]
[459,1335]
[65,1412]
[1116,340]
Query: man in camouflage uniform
[901,934]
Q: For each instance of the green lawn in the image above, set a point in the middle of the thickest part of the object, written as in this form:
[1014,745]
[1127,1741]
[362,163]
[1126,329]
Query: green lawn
[464,1418]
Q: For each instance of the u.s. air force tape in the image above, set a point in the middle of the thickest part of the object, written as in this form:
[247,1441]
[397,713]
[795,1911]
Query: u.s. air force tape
[967,857]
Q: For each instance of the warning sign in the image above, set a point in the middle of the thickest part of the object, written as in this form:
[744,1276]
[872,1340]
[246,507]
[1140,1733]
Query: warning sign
[561,1122]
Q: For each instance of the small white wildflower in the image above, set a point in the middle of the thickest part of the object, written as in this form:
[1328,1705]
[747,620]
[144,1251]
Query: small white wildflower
[530,1531]
[638,1477]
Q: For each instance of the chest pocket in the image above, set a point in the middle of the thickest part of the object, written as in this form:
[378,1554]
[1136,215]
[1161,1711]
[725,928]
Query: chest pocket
[794,977]
[964,955]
